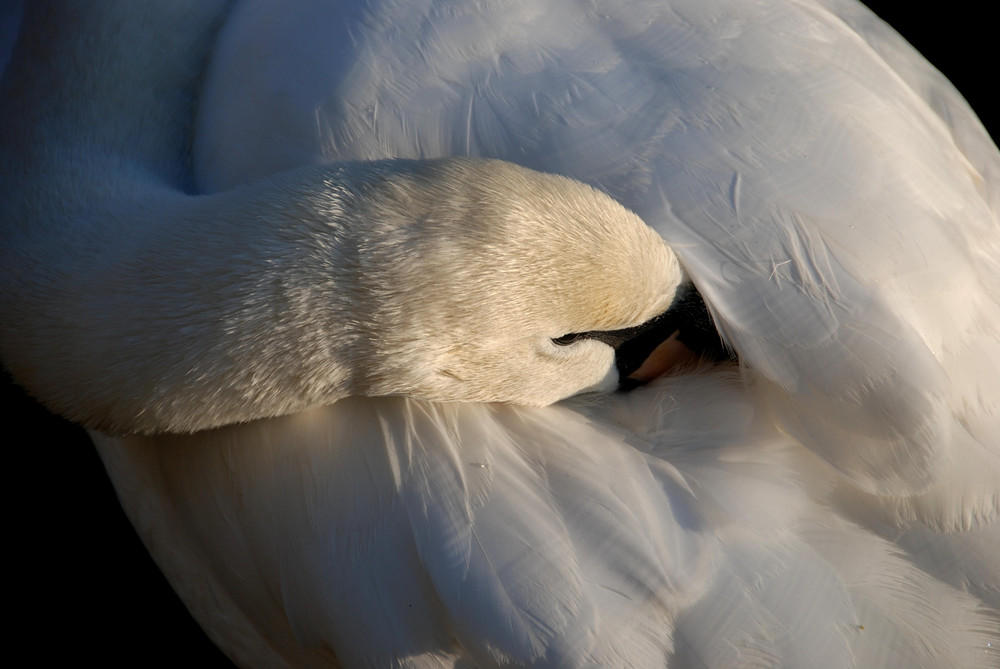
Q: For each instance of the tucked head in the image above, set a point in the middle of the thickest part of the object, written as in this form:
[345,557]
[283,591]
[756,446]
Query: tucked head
[477,270]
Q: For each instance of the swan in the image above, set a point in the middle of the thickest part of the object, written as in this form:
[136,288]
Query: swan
[833,501]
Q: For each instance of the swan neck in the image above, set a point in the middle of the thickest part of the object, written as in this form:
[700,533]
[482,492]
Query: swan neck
[169,312]
[131,305]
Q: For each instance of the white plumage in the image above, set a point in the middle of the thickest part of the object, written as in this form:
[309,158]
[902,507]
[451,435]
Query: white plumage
[833,502]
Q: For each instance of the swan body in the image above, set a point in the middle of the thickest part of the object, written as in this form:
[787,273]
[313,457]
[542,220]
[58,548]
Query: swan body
[832,501]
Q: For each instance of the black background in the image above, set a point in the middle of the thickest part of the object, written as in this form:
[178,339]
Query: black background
[81,586]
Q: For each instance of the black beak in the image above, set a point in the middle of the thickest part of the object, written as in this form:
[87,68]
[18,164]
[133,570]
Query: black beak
[687,321]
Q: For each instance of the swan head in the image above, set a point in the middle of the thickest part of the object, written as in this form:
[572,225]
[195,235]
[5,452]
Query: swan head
[449,280]
[493,282]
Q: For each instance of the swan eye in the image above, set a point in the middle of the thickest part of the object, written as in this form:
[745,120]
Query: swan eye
[568,339]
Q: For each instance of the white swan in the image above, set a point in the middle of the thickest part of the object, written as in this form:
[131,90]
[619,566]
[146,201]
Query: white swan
[629,529]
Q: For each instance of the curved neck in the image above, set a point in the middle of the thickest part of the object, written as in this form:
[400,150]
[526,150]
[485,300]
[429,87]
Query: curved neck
[129,304]
[168,312]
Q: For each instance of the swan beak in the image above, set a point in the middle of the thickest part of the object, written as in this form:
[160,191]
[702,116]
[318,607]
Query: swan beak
[670,353]
[680,337]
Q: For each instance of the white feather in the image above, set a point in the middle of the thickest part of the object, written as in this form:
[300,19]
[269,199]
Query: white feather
[833,504]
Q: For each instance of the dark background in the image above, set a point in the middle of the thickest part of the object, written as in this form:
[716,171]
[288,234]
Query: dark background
[81,585]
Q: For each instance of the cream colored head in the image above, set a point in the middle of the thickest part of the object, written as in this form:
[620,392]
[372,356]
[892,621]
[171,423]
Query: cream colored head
[473,267]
